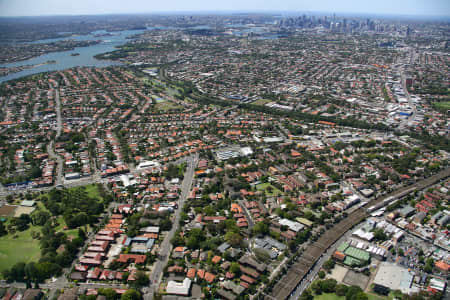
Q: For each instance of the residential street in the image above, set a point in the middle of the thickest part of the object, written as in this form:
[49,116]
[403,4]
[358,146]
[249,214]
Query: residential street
[166,246]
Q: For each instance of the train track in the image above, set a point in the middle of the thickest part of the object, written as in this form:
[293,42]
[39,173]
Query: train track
[286,285]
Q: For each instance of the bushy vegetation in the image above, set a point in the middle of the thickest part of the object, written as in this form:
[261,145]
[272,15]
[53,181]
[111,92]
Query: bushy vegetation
[57,250]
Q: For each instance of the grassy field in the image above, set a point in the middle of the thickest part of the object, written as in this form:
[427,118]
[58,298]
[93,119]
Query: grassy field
[166,106]
[329,296]
[377,297]
[92,191]
[172,92]
[264,186]
[333,296]
[444,105]
[23,248]
[262,101]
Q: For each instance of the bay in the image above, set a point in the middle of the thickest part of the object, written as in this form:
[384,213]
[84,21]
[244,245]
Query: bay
[65,59]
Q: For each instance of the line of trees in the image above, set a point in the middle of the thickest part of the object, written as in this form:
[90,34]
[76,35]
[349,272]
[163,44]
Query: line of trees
[433,142]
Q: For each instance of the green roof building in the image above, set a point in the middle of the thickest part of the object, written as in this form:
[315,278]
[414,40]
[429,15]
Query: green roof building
[359,254]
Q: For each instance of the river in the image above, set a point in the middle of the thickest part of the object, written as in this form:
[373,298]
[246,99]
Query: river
[65,60]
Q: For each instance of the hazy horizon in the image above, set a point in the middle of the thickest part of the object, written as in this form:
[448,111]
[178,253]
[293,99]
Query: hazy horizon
[17,8]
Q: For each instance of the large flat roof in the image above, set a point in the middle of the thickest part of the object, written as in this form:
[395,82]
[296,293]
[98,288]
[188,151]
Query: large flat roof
[394,277]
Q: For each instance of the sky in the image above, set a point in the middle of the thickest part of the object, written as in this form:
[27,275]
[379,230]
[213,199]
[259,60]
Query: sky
[89,7]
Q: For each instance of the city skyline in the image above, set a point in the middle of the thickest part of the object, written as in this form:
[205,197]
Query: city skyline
[84,7]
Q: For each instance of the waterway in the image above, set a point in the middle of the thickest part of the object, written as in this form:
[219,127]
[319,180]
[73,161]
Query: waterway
[64,59]
[110,40]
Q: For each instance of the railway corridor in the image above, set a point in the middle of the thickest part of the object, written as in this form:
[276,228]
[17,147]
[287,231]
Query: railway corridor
[288,283]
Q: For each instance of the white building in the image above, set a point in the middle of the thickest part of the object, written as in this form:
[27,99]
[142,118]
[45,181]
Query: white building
[294,226]
[179,288]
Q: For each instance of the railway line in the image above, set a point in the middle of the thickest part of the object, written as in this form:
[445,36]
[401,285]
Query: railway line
[289,282]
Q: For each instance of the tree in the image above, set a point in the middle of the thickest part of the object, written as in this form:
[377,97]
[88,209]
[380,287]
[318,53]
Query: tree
[329,265]
[429,265]
[131,295]
[234,239]
[261,228]
[321,274]
[39,217]
[306,295]
[316,287]
[109,293]
[165,224]
[20,223]
[328,285]
[17,272]
[141,279]
[177,240]
[10,199]
[81,234]
[235,268]
[3,230]
[209,210]
[379,235]
[196,236]
[352,292]
[31,271]
[341,289]
[261,254]
[361,296]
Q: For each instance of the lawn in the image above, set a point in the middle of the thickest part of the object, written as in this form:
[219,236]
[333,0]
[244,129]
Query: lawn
[329,296]
[172,92]
[262,101]
[444,105]
[166,106]
[21,249]
[92,191]
[24,248]
[72,232]
[333,296]
[376,297]
[264,186]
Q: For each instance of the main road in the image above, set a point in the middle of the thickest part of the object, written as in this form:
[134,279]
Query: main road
[404,122]
[50,147]
[166,246]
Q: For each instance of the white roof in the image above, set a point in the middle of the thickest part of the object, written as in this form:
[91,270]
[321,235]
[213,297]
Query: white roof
[125,180]
[275,139]
[146,164]
[28,203]
[294,226]
[246,151]
[394,277]
[75,174]
[363,235]
[150,229]
[179,288]
[353,197]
